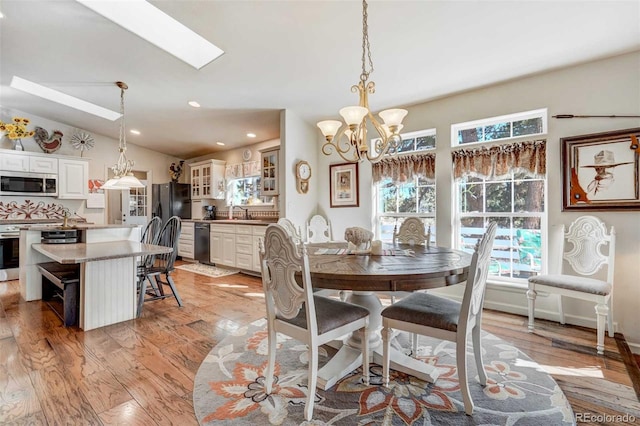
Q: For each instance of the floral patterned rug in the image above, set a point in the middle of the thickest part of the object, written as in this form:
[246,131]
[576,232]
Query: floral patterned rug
[229,388]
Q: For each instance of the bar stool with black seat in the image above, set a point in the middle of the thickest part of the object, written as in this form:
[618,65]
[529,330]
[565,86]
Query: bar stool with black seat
[161,265]
[150,235]
[446,319]
[294,310]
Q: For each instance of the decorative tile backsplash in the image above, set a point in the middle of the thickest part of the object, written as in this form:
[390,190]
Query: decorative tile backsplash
[255,214]
[28,209]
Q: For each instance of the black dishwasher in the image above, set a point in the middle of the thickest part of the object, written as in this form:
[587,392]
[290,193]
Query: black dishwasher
[201,242]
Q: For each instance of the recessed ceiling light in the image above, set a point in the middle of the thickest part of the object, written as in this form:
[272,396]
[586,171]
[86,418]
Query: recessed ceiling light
[158,28]
[62,98]
[194,104]
[251,135]
[220,143]
[135,132]
[1,15]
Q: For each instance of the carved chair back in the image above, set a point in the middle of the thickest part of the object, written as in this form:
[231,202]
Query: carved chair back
[411,232]
[281,260]
[319,230]
[584,246]
[474,291]
[291,229]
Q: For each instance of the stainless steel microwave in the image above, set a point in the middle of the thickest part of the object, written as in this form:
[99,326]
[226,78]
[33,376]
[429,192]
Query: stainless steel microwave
[24,183]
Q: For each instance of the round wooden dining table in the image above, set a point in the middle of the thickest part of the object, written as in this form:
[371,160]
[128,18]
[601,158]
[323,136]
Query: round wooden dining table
[401,268]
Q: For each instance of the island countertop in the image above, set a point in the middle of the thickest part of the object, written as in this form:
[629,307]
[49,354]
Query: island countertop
[82,226]
[83,252]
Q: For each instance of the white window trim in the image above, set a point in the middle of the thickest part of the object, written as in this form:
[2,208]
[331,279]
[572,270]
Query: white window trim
[537,113]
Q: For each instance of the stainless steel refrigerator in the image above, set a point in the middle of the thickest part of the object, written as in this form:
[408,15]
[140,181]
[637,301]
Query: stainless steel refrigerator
[171,199]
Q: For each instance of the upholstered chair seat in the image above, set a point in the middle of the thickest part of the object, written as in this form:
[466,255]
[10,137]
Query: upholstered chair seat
[571,282]
[330,314]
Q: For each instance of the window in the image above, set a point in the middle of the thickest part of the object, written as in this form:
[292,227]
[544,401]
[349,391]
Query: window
[516,203]
[246,192]
[404,185]
[396,202]
[506,184]
[500,128]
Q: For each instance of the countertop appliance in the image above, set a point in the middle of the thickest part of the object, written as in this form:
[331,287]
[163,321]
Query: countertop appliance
[201,242]
[9,252]
[171,199]
[60,236]
[210,213]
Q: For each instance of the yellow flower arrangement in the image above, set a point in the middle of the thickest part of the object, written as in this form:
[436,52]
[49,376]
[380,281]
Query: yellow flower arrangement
[17,129]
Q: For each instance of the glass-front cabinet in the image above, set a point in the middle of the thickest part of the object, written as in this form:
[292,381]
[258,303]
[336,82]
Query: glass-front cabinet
[207,180]
[270,172]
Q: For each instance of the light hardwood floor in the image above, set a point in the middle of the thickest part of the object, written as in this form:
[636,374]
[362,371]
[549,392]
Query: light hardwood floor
[141,372]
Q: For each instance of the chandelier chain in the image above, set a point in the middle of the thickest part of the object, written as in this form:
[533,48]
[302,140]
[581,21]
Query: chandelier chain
[123,134]
[366,47]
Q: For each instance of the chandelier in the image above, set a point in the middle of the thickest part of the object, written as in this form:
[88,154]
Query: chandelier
[350,140]
[123,177]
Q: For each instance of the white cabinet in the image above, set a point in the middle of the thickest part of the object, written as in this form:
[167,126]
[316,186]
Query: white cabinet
[29,163]
[244,251]
[236,245]
[270,172]
[207,180]
[73,179]
[257,236]
[222,244]
[185,242]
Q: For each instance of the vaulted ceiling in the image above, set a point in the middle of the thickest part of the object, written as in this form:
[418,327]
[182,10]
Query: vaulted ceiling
[298,55]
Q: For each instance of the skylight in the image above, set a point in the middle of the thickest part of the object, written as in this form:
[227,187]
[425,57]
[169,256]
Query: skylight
[155,26]
[62,98]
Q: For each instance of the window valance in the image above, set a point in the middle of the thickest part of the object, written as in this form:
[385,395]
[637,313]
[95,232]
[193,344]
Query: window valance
[499,160]
[401,169]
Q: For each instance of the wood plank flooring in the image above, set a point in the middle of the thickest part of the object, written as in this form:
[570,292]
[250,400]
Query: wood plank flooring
[141,372]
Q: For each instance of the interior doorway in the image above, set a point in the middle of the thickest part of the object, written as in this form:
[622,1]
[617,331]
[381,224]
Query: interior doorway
[130,206]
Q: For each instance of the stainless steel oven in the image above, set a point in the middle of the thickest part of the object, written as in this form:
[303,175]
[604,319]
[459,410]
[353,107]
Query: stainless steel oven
[9,252]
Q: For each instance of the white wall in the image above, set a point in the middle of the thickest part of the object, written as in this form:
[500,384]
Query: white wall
[103,155]
[299,140]
[604,87]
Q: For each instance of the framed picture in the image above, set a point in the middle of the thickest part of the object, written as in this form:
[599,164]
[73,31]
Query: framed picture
[600,171]
[344,185]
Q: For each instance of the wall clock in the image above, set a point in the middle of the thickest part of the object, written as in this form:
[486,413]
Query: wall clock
[303,173]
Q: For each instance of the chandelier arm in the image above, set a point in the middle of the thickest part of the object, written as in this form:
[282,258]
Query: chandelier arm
[341,146]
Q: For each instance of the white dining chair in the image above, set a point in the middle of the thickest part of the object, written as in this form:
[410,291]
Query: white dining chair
[319,230]
[583,250]
[293,309]
[446,319]
[292,230]
[412,232]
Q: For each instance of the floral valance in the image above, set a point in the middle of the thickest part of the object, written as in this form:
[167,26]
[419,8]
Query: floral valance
[500,160]
[403,168]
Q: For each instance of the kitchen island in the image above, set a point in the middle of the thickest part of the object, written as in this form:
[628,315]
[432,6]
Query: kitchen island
[107,257]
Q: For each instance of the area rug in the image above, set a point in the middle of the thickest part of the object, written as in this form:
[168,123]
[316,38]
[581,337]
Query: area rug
[229,388]
[208,270]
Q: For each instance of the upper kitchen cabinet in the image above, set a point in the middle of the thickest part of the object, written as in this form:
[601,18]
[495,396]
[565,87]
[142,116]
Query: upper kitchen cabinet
[270,172]
[207,179]
[73,176]
[28,163]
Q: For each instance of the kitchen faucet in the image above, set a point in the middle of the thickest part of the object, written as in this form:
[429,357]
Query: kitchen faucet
[246,212]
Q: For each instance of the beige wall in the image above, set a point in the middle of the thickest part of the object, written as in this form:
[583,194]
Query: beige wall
[609,86]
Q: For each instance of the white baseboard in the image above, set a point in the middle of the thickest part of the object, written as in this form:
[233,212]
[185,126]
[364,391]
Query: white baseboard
[635,347]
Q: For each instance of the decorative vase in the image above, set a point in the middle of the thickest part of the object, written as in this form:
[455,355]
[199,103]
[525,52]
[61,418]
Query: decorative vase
[17,145]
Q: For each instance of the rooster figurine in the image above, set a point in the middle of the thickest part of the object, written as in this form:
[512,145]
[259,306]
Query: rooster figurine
[48,143]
